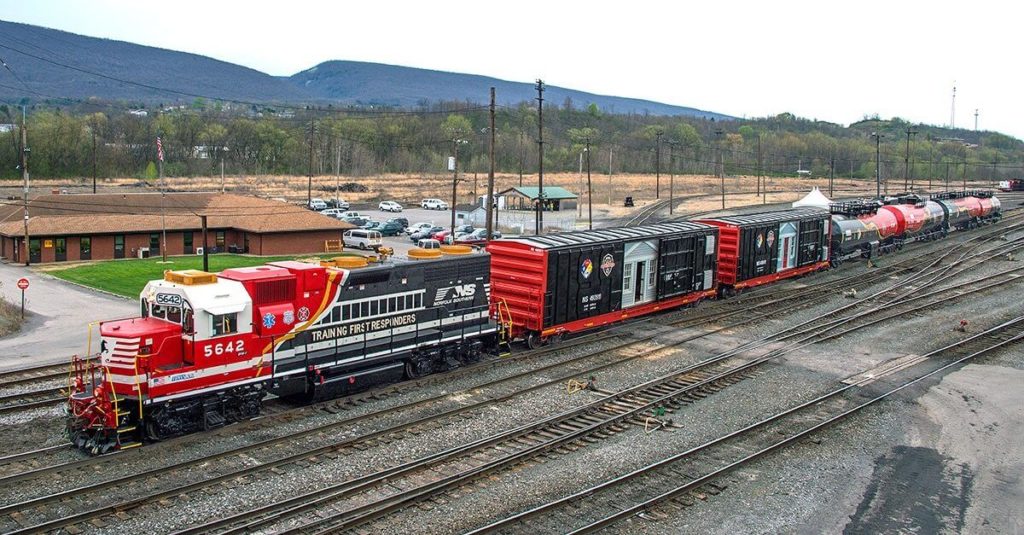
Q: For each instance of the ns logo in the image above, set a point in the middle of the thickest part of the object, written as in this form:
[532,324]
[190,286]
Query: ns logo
[454,294]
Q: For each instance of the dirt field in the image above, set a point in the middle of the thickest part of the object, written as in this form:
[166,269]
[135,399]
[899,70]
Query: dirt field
[609,191]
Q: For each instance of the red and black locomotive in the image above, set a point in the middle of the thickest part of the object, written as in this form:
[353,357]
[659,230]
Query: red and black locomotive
[207,348]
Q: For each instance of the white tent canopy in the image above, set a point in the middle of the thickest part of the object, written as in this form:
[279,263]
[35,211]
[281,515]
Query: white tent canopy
[815,198]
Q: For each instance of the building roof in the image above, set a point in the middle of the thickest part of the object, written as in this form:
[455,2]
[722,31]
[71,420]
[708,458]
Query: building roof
[57,215]
[550,192]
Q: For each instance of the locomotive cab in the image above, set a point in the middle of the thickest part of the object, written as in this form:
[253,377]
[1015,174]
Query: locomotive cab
[192,334]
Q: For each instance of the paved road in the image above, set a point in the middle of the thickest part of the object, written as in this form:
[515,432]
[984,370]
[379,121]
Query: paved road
[58,315]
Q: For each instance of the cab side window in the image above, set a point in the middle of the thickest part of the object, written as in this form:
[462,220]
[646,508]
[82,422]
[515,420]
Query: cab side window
[224,324]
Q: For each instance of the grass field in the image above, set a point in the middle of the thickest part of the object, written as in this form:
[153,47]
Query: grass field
[128,277]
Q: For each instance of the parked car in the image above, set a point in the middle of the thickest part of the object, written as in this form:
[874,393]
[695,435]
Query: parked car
[337,203]
[362,239]
[351,213]
[417,228]
[389,206]
[433,204]
[336,213]
[357,221]
[371,224]
[425,233]
[390,228]
[400,220]
[317,204]
[442,236]
[476,237]
[428,244]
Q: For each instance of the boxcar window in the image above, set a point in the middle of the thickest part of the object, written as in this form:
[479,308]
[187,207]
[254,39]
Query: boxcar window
[652,272]
[364,309]
[627,276]
[224,324]
[336,314]
[373,308]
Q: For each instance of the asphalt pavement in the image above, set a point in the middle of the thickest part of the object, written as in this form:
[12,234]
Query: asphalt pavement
[58,314]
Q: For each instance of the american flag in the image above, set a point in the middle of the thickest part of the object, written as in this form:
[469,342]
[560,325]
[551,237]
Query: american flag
[159,149]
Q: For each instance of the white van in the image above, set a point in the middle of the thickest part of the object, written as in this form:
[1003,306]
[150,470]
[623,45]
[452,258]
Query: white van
[317,204]
[363,239]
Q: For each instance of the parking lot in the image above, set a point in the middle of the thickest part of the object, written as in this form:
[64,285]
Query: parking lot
[401,243]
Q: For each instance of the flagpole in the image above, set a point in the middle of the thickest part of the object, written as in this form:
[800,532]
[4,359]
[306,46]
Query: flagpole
[163,213]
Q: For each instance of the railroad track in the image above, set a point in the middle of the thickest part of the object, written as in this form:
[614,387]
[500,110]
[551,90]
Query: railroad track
[644,214]
[33,374]
[31,399]
[682,479]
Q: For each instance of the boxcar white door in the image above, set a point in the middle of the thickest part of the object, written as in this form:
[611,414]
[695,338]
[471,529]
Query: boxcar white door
[639,273]
[787,246]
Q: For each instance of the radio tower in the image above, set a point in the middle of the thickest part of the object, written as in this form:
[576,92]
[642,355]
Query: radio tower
[952,111]
[975,119]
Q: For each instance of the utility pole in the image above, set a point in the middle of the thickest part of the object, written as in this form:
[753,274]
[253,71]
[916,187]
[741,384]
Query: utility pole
[975,119]
[671,173]
[163,196]
[878,169]
[540,157]
[94,158]
[964,175]
[657,164]
[455,181]
[223,186]
[831,174]
[759,167]
[590,192]
[906,160]
[206,248]
[947,176]
[952,110]
[309,177]
[491,201]
[720,163]
[609,177]
[25,151]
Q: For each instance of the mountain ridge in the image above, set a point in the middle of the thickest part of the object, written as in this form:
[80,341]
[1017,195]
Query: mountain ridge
[53,63]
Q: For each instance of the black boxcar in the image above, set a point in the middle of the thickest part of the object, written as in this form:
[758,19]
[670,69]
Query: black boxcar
[577,280]
[764,247]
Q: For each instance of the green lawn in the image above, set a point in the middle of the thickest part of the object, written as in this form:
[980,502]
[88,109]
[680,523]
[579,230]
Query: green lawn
[128,277]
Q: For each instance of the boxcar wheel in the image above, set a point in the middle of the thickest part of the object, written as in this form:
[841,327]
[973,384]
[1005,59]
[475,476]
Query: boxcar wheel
[534,340]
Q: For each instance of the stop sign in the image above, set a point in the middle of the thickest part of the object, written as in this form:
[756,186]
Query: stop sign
[23,283]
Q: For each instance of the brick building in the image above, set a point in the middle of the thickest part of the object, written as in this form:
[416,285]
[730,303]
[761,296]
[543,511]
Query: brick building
[102,226]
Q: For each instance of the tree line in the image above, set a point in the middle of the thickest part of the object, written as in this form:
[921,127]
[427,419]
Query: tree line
[201,140]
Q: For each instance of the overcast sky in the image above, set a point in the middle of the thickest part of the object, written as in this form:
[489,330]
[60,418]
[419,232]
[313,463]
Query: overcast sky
[816,59]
